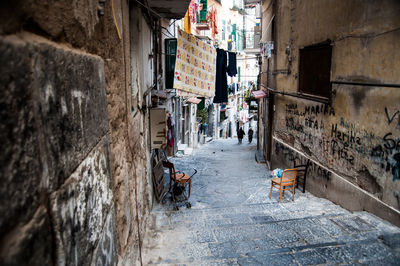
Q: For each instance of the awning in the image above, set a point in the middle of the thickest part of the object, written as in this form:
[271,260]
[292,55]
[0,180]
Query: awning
[202,26]
[169,9]
[194,100]
[259,94]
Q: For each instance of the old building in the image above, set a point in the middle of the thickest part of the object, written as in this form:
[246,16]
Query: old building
[332,74]
[77,81]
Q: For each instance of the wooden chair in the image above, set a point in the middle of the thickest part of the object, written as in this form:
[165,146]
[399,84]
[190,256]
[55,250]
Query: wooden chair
[302,174]
[177,176]
[287,179]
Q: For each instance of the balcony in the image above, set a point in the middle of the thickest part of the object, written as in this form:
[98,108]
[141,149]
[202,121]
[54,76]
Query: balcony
[202,26]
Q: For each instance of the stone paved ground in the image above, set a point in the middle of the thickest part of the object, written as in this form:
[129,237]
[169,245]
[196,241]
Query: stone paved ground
[233,222]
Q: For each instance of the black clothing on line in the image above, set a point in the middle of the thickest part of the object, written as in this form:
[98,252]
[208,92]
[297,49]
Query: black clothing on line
[221,82]
[232,70]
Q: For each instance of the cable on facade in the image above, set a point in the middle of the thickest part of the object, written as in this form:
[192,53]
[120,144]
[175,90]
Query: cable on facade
[173,22]
[171,35]
[247,58]
[166,36]
[366,35]
[115,20]
[299,95]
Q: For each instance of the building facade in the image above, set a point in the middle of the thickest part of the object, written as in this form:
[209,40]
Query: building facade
[332,84]
[78,81]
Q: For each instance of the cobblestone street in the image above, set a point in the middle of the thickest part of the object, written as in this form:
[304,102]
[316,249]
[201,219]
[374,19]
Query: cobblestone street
[233,222]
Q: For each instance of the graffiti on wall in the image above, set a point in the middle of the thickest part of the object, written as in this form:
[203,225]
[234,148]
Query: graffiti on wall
[294,117]
[106,251]
[343,142]
[80,209]
[310,124]
[387,155]
[391,117]
[291,156]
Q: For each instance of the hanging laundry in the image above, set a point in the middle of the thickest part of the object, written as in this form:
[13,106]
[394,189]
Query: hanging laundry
[232,70]
[193,11]
[194,67]
[186,23]
[212,18]
[221,82]
[215,19]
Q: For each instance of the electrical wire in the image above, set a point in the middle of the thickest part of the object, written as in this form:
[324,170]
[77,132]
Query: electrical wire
[164,28]
[247,58]
[167,35]
[115,20]
[173,22]
[366,35]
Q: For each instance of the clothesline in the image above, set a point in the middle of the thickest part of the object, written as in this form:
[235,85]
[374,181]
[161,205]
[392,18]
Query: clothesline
[246,58]
[248,76]
[216,47]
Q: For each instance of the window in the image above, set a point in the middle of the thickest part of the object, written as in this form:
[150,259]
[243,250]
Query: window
[170,59]
[315,70]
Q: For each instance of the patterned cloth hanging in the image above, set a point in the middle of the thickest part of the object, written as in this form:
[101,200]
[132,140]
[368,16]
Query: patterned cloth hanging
[194,67]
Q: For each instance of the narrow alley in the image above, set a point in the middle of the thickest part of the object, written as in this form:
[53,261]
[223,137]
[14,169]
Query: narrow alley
[101,99]
[233,222]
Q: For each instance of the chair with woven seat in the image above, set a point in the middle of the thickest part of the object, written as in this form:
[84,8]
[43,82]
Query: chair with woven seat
[287,179]
[177,176]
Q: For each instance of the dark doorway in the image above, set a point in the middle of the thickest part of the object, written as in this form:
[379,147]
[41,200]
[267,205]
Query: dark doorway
[268,116]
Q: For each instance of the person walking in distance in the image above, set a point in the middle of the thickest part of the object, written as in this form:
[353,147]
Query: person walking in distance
[240,135]
[250,134]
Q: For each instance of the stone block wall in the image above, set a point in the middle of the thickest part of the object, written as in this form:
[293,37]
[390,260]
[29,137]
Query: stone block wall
[56,166]
[74,163]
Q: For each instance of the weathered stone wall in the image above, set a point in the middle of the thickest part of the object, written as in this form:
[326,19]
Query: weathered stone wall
[355,142]
[74,166]
[56,165]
